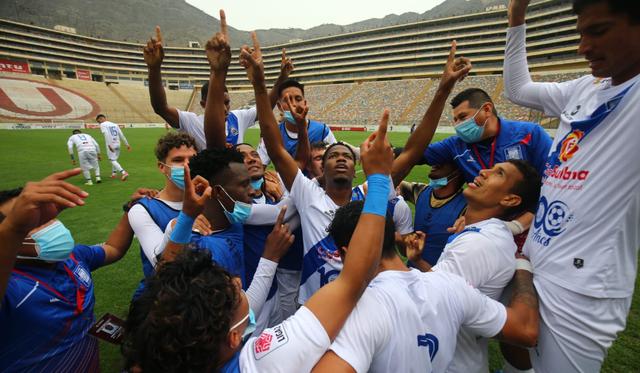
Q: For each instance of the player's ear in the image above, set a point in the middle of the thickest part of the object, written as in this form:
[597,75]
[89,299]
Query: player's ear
[234,339]
[510,200]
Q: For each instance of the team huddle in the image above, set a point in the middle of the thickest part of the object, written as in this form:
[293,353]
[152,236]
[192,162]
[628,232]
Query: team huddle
[516,236]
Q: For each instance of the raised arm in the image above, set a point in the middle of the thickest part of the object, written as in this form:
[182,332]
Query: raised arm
[219,56]
[303,148]
[285,164]
[38,203]
[153,55]
[333,303]
[455,69]
[286,67]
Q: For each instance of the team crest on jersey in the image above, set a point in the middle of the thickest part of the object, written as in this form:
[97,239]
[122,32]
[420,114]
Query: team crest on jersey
[271,339]
[83,276]
[570,145]
[233,131]
[513,152]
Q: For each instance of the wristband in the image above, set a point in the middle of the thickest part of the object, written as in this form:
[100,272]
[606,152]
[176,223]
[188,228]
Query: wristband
[515,227]
[182,230]
[377,195]
[524,264]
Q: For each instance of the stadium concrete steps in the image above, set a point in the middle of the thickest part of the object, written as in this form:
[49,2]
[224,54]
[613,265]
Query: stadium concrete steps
[498,91]
[132,107]
[337,102]
[416,101]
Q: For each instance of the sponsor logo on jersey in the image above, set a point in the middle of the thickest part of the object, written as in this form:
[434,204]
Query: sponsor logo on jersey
[431,342]
[570,145]
[271,339]
[550,221]
[565,173]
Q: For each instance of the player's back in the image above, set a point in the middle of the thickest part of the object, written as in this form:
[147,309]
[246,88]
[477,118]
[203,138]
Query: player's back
[83,142]
[111,134]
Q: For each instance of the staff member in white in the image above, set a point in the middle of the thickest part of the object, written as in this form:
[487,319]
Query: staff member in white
[407,320]
[88,155]
[585,237]
[112,136]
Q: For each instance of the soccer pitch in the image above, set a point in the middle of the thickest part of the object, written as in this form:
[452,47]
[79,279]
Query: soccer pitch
[33,154]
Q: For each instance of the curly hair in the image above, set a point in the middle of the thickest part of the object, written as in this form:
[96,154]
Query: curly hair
[211,162]
[182,319]
[173,140]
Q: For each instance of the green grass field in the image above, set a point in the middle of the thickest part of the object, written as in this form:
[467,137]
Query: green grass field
[33,154]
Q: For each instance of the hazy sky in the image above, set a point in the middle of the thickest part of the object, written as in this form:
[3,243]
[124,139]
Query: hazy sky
[262,14]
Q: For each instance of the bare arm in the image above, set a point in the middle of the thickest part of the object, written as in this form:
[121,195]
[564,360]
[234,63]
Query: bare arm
[455,69]
[153,55]
[522,323]
[219,56]
[118,242]
[303,149]
[286,67]
[333,303]
[285,164]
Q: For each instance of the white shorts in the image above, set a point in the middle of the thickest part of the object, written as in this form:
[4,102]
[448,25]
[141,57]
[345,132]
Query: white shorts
[296,345]
[113,155]
[575,330]
[88,160]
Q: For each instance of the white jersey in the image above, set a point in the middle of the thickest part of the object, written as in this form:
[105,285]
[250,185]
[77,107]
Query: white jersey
[586,233]
[83,142]
[484,255]
[293,136]
[402,216]
[237,123]
[407,321]
[321,263]
[112,134]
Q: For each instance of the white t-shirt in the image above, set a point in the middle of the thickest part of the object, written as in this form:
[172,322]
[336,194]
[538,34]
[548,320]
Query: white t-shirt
[322,262]
[295,345]
[408,322]
[484,255]
[586,233]
[83,142]
[112,134]
[193,124]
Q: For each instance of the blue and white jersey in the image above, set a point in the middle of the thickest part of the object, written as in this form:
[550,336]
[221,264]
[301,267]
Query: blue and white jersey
[46,314]
[433,217]
[112,134]
[516,140]
[83,143]
[238,121]
[407,321]
[317,131]
[227,249]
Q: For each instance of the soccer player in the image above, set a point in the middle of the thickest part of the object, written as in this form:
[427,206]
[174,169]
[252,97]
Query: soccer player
[292,103]
[149,217]
[88,154]
[220,312]
[48,305]
[314,168]
[407,320]
[585,237]
[112,136]
[237,121]
[438,205]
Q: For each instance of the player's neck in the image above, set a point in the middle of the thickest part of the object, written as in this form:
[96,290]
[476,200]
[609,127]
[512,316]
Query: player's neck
[492,128]
[475,215]
[626,75]
[171,193]
[394,264]
[446,191]
[214,213]
[340,193]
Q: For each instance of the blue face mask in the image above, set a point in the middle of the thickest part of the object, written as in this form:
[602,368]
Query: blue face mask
[251,326]
[289,117]
[469,131]
[441,182]
[257,184]
[241,210]
[53,243]
[177,175]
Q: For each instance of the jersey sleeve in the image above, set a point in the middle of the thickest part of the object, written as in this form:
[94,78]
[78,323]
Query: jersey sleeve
[258,290]
[402,217]
[467,256]
[304,191]
[262,152]
[191,124]
[70,145]
[440,152]
[147,231]
[329,138]
[263,214]
[246,118]
[540,146]
[518,86]
[92,256]
[121,135]
[364,333]
[481,315]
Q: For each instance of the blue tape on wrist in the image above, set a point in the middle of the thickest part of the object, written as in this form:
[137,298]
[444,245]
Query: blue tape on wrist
[182,230]
[377,195]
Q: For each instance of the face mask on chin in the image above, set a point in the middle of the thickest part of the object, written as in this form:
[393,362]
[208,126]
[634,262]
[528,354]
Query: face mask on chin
[241,210]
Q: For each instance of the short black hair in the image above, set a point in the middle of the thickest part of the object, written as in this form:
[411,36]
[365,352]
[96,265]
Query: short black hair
[476,98]
[625,7]
[324,156]
[205,89]
[344,224]
[173,140]
[76,131]
[100,115]
[290,83]
[210,163]
[182,318]
[528,189]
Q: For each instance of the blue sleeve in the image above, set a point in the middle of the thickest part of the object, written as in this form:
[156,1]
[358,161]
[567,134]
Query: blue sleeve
[440,152]
[92,256]
[540,146]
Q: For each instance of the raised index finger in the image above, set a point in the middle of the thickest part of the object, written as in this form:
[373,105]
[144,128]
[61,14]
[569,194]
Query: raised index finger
[63,174]
[256,43]
[223,24]
[382,129]
[452,52]
[280,219]
[158,35]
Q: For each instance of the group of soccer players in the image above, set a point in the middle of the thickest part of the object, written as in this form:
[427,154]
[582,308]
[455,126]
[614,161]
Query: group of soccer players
[297,270]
